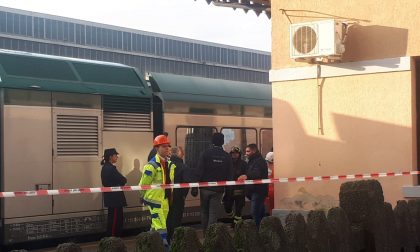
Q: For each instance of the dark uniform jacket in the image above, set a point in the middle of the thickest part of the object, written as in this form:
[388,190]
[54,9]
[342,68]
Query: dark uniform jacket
[181,175]
[152,154]
[239,168]
[214,165]
[112,177]
[257,169]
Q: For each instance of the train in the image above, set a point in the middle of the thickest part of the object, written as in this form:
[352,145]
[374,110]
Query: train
[58,115]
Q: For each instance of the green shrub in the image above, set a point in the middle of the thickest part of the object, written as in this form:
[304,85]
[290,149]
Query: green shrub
[69,247]
[272,234]
[318,238]
[246,238]
[405,234]
[414,211]
[295,229]
[218,239]
[112,244]
[149,242]
[185,239]
[339,226]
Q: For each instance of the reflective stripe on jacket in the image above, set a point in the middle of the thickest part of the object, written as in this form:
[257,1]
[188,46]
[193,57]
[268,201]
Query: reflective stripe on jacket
[153,174]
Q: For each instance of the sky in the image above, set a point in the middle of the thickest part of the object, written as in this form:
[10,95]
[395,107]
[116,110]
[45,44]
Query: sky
[183,18]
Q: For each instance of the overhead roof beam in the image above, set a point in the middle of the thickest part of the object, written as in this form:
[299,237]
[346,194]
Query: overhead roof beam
[258,6]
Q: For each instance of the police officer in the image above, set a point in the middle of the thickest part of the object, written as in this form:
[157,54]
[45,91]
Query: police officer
[235,195]
[159,170]
[115,201]
[214,165]
[179,195]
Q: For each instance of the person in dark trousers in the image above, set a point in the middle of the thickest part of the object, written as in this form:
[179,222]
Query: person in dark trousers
[235,195]
[257,169]
[214,165]
[176,210]
[115,201]
[153,151]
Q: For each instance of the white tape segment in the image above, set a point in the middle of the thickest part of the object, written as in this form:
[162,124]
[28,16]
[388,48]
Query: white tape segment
[201,184]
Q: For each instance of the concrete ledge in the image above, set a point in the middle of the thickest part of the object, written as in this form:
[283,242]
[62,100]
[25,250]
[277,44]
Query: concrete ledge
[341,69]
[411,191]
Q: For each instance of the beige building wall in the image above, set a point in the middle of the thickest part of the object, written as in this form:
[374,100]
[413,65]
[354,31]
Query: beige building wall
[368,115]
[367,127]
[382,29]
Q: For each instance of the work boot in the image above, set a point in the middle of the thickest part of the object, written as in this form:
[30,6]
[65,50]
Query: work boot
[236,220]
[230,215]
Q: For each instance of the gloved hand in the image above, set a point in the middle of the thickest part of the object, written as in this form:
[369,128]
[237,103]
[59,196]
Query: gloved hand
[141,202]
[194,191]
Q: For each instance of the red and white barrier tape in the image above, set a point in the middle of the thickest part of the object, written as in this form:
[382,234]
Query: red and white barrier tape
[202,184]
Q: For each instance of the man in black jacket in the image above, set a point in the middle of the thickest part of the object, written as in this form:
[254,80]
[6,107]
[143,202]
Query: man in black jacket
[214,165]
[179,195]
[257,169]
[235,195]
[115,201]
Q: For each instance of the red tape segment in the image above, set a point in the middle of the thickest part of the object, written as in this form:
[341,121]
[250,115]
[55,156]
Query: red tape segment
[202,184]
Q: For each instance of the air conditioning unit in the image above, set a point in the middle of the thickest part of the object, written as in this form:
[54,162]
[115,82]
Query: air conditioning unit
[318,40]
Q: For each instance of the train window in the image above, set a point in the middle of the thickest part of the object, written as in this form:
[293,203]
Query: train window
[76,100]
[107,74]
[216,109]
[256,111]
[27,97]
[268,112]
[194,140]
[34,67]
[266,137]
[239,137]
[202,108]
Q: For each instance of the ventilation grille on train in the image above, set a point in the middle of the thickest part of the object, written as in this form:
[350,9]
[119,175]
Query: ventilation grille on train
[127,113]
[77,135]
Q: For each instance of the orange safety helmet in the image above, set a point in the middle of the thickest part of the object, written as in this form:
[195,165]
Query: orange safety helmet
[161,139]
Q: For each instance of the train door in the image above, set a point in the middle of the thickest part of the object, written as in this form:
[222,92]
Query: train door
[194,140]
[128,127]
[77,143]
[266,141]
[27,159]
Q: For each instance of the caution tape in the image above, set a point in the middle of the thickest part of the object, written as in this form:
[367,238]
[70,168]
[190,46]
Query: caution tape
[202,184]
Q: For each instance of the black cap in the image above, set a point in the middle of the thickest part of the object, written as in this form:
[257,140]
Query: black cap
[218,139]
[110,152]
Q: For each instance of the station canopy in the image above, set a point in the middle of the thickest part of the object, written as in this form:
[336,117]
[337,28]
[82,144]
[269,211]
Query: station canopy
[23,70]
[205,90]
[258,6]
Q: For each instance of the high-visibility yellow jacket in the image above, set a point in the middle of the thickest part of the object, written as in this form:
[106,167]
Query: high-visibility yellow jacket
[153,173]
